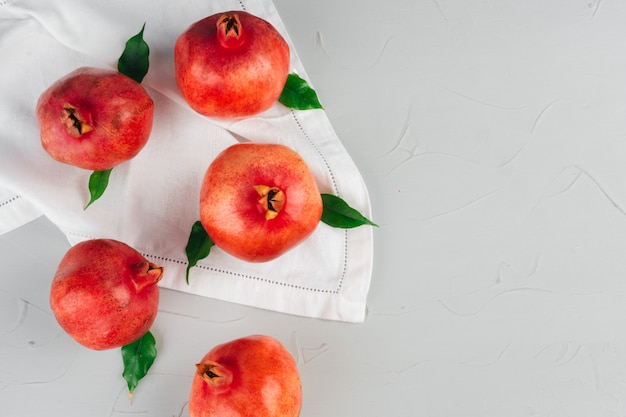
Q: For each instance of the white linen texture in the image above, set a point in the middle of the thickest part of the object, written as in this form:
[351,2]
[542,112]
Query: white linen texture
[152,200]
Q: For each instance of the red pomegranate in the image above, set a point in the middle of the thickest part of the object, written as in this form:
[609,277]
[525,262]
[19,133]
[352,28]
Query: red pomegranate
[104,293]
[94,118]
[231,64]
[254,376]
[258,201]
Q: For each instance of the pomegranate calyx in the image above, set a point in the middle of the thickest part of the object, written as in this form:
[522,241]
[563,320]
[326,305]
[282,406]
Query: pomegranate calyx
[230,31]
[272,200]
[214,373]
[74,123]
[147,274]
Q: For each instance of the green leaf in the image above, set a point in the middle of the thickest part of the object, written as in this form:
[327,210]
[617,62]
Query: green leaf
[98,182]
[198,247]
[337,213]
[138,357]
[297,94]
[134,61]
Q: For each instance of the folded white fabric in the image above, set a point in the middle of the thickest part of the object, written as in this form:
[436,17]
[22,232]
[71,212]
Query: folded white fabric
[152,201]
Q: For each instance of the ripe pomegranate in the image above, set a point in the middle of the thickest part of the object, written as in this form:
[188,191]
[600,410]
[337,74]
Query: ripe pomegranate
[231,64]
[104,293]
[257,201]
[254,376]
[94,118]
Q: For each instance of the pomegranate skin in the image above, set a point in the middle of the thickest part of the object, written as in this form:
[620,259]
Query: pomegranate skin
[230,209]
[104,294]
[237,77]
[254,376]
[117,109]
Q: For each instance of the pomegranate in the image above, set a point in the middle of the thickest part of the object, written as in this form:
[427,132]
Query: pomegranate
[231,64]
[258,201]
[104,293]
[94,118]
[254,376]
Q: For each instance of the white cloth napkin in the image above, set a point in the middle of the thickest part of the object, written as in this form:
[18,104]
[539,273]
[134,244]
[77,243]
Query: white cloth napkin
[152,201]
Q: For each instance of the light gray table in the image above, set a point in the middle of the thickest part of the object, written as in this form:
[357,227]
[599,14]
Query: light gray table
[492,136]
